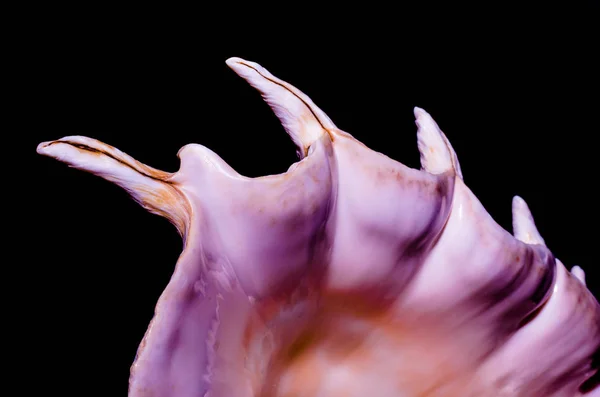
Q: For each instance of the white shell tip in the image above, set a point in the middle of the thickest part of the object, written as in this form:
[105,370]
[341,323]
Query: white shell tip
[437,155]
[41,148]
[578,273]
[235,62]
[524,228]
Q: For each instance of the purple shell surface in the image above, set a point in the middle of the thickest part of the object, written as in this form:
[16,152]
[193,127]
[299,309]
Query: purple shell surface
[348,275]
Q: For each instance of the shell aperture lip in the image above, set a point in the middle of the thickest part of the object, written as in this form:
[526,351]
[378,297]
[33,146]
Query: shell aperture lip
[349,274]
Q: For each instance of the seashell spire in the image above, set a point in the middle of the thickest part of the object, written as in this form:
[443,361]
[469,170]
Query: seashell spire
[350,274]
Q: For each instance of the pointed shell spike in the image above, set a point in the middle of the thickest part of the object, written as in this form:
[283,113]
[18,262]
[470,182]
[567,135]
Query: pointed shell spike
[578,273]
[437,155]
[524,228]
[301,118]
[151,188]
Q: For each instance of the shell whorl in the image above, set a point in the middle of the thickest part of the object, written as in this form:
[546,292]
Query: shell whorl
[409,255]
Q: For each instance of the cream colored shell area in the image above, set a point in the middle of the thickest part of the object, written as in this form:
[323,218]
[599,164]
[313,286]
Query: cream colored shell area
[349,275]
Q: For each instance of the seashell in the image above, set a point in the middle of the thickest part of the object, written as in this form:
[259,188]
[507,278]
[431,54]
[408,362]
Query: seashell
[348,275]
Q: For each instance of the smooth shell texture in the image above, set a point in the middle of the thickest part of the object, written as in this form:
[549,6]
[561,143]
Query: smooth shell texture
[349,275]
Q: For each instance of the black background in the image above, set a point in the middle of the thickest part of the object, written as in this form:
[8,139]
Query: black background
[515,91]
